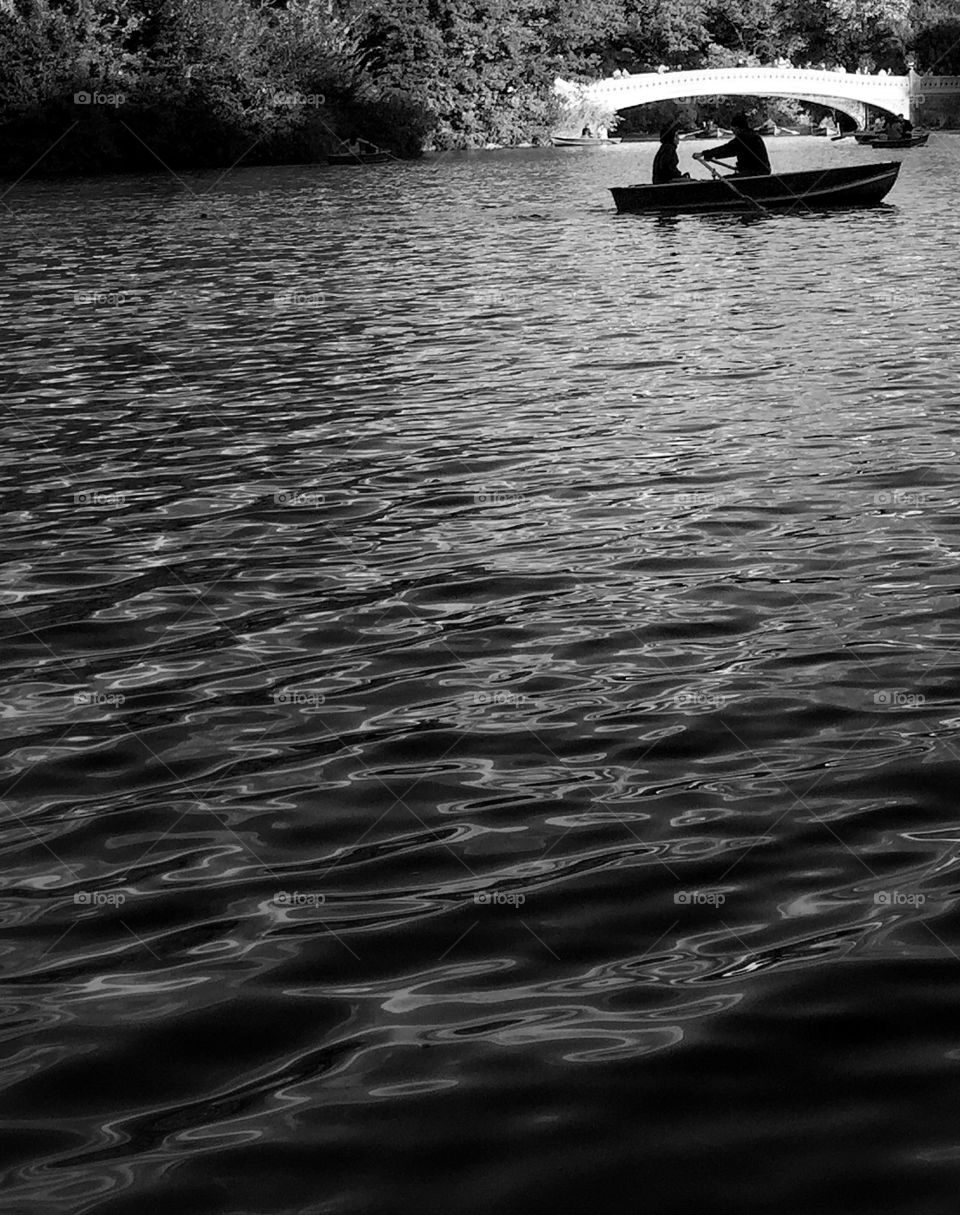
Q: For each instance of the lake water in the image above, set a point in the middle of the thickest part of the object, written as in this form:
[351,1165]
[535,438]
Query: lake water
[482,694]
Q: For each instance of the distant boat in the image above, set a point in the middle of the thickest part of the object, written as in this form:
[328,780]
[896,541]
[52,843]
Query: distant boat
[881,141]
[707,133]
[358,158]
[844,186]
[581,141]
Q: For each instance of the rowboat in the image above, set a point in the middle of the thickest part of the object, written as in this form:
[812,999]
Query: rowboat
[845,186]
[881,141]
[358,158]
[581,141]
[707,133]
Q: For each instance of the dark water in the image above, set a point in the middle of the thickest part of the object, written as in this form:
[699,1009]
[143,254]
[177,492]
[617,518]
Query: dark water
[481,694]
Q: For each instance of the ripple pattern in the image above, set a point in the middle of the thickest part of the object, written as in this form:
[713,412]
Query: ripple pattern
[481,694]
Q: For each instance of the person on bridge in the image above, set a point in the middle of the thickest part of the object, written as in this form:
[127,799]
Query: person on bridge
[746,145]
[666,163]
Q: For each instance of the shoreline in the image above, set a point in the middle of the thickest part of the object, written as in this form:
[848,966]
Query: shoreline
[160,171]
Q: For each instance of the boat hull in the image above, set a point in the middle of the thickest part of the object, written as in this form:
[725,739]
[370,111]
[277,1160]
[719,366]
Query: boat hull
[845,186]
[909,141]
[358,158]
[581,141]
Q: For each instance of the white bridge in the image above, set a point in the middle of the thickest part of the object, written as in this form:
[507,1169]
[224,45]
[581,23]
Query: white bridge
[849,92]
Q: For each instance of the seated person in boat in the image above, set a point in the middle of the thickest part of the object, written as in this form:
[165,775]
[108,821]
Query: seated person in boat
[746,145]
[666,163]
[356,145]
[586,133]
[899,128]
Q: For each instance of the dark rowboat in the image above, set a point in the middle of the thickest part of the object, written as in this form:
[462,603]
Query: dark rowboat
[358,158]
[907,141]
[581,141]
[846,186]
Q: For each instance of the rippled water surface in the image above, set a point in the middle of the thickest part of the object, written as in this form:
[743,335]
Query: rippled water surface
[481,694]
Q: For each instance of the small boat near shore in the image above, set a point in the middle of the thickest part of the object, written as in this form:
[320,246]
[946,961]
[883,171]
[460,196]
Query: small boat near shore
[581,141]
[358,158]
[881,141]
[844,186]
[770,130]
[708,133]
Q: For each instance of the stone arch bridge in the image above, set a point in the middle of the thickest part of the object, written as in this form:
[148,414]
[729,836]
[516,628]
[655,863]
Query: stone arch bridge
[849,92]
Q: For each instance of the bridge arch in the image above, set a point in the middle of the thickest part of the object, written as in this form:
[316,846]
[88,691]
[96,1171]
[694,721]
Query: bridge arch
[848,92]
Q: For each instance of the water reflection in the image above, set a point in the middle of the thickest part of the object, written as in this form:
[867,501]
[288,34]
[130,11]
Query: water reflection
[468,648]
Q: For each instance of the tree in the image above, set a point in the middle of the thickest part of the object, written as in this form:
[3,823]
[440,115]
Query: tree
[844,31]
[746,25]
[666,31]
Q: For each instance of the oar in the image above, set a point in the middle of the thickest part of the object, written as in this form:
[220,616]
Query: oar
[720,177]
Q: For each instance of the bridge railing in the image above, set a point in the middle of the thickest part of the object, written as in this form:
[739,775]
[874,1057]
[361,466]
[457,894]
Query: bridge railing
[725,76]
[824,81]
[936,84]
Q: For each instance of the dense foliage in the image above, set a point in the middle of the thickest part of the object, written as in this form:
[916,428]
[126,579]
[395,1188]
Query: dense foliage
[94,84]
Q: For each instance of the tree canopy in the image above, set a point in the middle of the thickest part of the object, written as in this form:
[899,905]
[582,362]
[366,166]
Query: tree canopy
[207,81]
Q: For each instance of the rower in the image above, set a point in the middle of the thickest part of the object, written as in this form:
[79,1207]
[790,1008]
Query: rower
[357,146]
[746,145]
[666,163]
